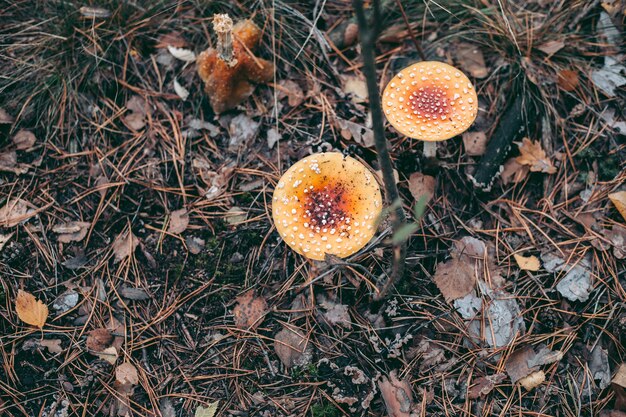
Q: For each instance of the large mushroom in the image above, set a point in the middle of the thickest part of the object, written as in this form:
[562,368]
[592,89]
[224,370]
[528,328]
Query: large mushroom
[327,203]
[430,101]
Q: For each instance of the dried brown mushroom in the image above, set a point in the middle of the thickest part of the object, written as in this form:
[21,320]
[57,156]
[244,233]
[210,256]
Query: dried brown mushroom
[231,70]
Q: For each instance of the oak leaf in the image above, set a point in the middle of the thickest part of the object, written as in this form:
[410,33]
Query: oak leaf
[533,155]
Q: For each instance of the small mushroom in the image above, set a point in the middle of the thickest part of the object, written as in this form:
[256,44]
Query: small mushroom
[327,203]
[430,101]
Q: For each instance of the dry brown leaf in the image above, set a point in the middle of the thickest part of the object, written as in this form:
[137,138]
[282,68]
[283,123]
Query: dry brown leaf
[568,80]
[618,384]
[8,163]
[291,90]
[619,201]
[534,156]
[351,130]
[484,385]
[620,376]
[249,311]
[356,88]
[523,365]
[135,121]
[5,118]
[551,47]
[179,220]
[397,395]
[4,239]
[124,245]
[513,172]
[471,60]
[533,380]
[430,354]
[292,347]
[422,185]
[53,345]
[30,310]
[99,339]
[475,143]
[16,211]
[72,231]
[527,263]
[24,139]
[174,39]
[517,363]
[126,373]
[109,354]
[455,278]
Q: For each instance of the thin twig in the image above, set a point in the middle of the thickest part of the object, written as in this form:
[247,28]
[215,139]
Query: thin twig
[368,32]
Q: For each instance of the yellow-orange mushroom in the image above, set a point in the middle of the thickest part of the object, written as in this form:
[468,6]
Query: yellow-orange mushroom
[327,203]
[430,101]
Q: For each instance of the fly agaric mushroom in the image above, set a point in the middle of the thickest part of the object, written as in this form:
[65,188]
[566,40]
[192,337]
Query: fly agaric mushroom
[327,203]
[230,70]
[430,101]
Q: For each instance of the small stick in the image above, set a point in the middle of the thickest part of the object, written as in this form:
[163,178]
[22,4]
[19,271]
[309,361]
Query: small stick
[223,27]
[511,127]
[367,34]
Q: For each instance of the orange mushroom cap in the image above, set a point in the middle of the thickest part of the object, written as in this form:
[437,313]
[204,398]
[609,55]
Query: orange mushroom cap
[327,203]
[430,101]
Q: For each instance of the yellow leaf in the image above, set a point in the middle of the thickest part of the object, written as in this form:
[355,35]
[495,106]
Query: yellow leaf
[533,155]
[527,263]
[619,200]
[207,411]
[30,310]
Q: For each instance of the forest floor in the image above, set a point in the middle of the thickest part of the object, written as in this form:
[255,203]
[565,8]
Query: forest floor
[140,220]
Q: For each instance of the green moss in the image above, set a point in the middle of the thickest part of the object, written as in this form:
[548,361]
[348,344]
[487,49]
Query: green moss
[324,410]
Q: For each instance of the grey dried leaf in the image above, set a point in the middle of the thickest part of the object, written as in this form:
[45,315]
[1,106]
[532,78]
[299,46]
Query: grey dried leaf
[292,348]
[272,137]
[66,301]
[137,294]
[599,366]
[94,12]
[336,314]
[242,130]
[71,231]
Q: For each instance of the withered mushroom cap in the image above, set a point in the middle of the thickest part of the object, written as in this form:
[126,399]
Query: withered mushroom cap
[327,203]
[430,101]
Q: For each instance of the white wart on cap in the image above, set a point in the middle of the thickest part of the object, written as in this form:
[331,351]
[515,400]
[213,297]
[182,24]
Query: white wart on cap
[327,203]
[430,101]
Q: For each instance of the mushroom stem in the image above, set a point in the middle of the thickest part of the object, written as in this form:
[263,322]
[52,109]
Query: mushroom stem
[368,32]
[223,27]
[430,150]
